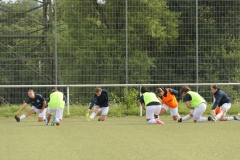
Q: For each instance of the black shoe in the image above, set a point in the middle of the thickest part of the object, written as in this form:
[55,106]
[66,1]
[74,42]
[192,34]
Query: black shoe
[99,119]
[209,118]
[180,120]
[17,118]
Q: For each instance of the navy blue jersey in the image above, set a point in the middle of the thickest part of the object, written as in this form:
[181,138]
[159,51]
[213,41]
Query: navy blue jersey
[101,101]
[220,98]
[187,97]
[37,101]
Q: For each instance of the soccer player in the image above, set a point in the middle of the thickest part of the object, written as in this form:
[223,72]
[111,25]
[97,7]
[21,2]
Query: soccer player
[39,106]
[223,102]
[100,99]
[55,106]
[168,98]
[152,105]
[195,103]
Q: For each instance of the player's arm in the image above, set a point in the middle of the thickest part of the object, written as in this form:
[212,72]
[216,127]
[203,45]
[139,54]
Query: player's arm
[44,103]
[21,108]
[188,105]
[142,103]
[215,104]
[92,103]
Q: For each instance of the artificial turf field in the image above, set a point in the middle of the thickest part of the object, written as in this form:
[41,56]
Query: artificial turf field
[118,138]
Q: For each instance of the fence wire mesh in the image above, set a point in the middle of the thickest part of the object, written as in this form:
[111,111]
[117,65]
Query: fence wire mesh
[116,42]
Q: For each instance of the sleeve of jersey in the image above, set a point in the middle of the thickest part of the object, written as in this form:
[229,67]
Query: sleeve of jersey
[93,102]
[173,92]
[217,100]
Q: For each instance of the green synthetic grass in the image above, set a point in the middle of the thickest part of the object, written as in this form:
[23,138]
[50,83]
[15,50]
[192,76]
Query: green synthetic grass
[115,110]
[118,138]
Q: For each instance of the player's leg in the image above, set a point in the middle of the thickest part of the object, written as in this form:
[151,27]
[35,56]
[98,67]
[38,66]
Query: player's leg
[187,117]
[51,112]
[59,116]
[198,112]
[104,113]
[25,115]
[97,109]
[174,113]
[41,116]
[150,112]
[157,111]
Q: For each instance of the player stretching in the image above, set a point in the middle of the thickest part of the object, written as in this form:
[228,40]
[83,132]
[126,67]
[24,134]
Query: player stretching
[223,102]
[55,106]
[151,104]
[195,103]
[101,100]
[168,98]
[39,106]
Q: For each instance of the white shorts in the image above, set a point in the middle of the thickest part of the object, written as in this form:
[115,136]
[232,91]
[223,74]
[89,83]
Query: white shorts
[104,110]
[198,111]
[227,106]
[152,110]
[58,111]
[173,111]
[38,110]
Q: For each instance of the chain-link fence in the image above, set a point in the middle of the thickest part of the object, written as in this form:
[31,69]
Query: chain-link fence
[117,42]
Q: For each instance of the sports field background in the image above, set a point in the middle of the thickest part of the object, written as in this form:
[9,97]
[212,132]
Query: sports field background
[118,138]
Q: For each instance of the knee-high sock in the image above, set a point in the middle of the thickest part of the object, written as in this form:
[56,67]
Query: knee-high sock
[92,115]
[218,115]
[187,117]
[22,117]
[202,119]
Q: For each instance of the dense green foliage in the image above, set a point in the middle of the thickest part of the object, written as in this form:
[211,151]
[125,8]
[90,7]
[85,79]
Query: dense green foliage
[91,44]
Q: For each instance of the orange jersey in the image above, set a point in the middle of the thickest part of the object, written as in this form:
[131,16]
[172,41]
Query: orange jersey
[170,100]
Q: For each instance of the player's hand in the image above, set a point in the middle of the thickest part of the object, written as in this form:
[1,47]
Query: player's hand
[88,110]
[213,113]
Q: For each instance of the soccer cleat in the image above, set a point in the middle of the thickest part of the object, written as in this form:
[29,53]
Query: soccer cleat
[17,118]
[210,118]
[99,119]
[236,118]
[52,123]
[180,120]
[87,117]
[159,122]
[46,121]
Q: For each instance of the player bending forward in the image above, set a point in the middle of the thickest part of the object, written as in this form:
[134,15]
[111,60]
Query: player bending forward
[39,106]
[55,106]
[195,103]
[100,100]
[152,105]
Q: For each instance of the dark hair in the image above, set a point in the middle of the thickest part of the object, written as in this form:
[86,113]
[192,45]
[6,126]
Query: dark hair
[98,89]
[215,87]
[159,90]
[143,89]
[185,89]
[30,90]
[54,90]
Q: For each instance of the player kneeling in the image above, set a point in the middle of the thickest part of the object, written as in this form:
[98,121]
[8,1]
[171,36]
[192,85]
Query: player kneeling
[56,106]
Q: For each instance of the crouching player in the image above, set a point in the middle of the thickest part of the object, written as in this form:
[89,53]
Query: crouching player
[55,106]
[152,104]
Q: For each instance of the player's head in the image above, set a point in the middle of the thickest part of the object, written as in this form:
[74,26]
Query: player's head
[159,91]
[143,89]
[54,90]
[214,88]
[184,90]
[98,91]
[31,94]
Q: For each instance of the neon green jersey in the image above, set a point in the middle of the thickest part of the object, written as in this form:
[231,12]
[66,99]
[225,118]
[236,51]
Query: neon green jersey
[56,100]
[149,97]
[196,99]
